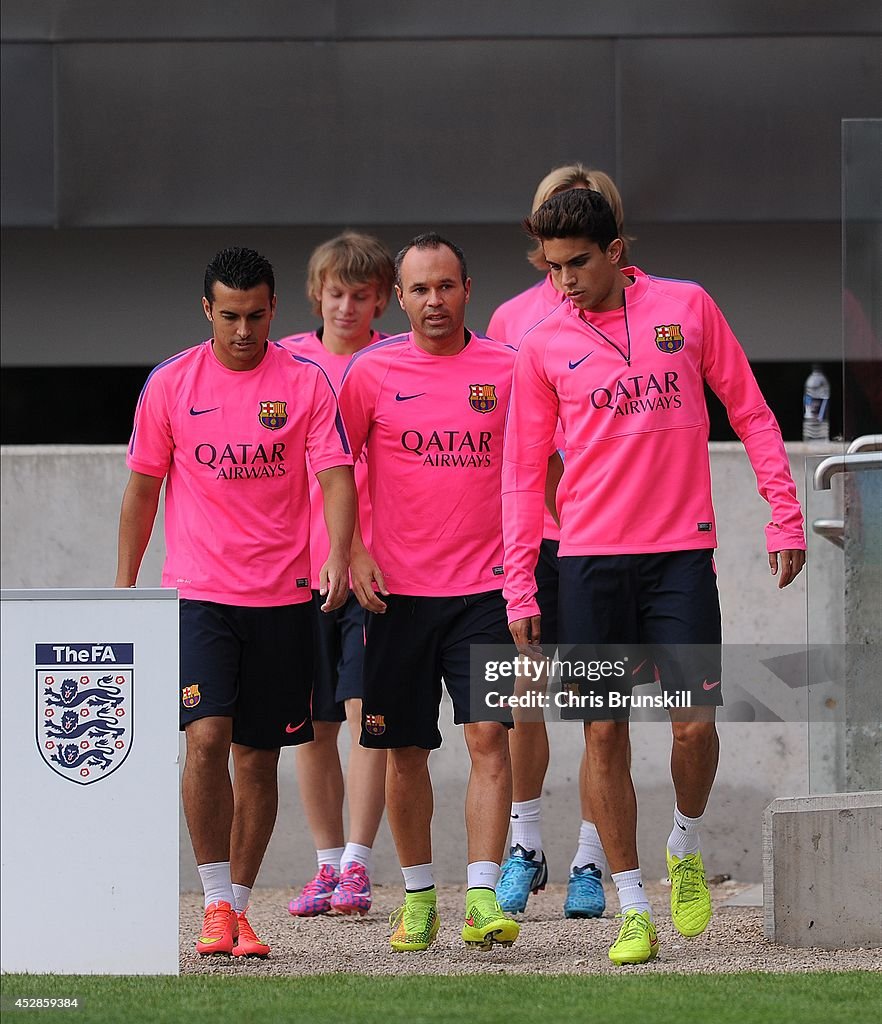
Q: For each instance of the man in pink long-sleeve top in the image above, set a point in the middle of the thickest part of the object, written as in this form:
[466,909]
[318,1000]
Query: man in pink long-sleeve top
[622,363]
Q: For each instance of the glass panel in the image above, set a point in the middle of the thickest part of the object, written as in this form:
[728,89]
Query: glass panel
[862,277]
[844,519]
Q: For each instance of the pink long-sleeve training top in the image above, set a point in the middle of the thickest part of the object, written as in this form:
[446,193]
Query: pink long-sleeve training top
[628,388]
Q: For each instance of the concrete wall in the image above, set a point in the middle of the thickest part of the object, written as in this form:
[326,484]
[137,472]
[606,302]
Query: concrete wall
[823,871]
[59,516]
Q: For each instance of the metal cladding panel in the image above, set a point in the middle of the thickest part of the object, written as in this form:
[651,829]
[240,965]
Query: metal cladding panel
[738,129]
[567,20]
[27,180]
[467,129]
[192,133]
[110,20]
[390,19]
[313,133]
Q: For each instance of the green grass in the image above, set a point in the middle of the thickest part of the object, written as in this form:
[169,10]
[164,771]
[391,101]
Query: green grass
[822,998]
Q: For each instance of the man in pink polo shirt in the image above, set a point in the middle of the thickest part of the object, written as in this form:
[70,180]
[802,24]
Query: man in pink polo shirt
[227,424]
[349,283]
[429,406]
[622,364]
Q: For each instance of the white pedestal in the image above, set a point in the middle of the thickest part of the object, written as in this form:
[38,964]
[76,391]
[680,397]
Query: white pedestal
[89,832]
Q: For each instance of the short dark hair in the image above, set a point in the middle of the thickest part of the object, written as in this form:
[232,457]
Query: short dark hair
[238,268]
[577,213]
[431,240]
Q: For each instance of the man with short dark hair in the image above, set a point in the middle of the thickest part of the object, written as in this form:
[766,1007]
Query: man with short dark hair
[228,425]
[622,362]
[429,407]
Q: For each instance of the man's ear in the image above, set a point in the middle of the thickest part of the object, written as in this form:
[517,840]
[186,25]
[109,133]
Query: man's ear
[206,306]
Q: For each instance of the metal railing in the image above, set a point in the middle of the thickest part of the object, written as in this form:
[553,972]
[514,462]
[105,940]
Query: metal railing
[863,453]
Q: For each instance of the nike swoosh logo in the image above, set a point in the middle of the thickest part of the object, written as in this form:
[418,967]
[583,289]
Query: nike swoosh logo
[710,686]
[406,398]
[202,412]
[677,823]
[295,728]
[578,362]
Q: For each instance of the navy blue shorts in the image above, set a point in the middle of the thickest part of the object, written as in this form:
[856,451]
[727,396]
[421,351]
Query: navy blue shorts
[339,658]
[547,582]
[253,665]
[415,643]
[660,611]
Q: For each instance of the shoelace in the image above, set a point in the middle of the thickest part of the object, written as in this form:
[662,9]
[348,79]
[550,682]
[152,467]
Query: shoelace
[635,926]
[352,882]
[518,864]
[246,931]
[214,922]
[688,882]
[317,886]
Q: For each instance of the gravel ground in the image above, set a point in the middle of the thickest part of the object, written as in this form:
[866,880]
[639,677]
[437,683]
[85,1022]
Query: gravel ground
[548,943]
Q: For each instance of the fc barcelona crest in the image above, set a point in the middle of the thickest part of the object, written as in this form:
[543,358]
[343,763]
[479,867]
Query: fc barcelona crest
[84,719]
[482,397]
[190,695]
[375,724]
[273,415]
[669,338]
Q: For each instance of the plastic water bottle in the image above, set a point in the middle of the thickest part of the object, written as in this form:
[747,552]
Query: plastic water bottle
[816,407]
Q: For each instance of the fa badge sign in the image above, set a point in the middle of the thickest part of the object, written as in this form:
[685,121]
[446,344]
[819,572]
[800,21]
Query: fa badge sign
[84,708]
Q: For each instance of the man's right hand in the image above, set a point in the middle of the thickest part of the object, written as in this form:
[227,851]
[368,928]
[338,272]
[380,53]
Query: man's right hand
[526,634]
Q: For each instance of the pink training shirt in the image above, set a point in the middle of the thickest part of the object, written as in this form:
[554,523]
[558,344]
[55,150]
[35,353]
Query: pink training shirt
[433,429]
[509,324]
[628,388]
[231,444]
[310,346]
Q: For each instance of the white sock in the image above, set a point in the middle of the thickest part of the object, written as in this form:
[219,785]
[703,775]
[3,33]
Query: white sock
[629,886]
[354,853]
[483,874]
[526,828]
[590,849]
[683,839]
[418,877]
[331,857]
[241,897]
[216,883]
